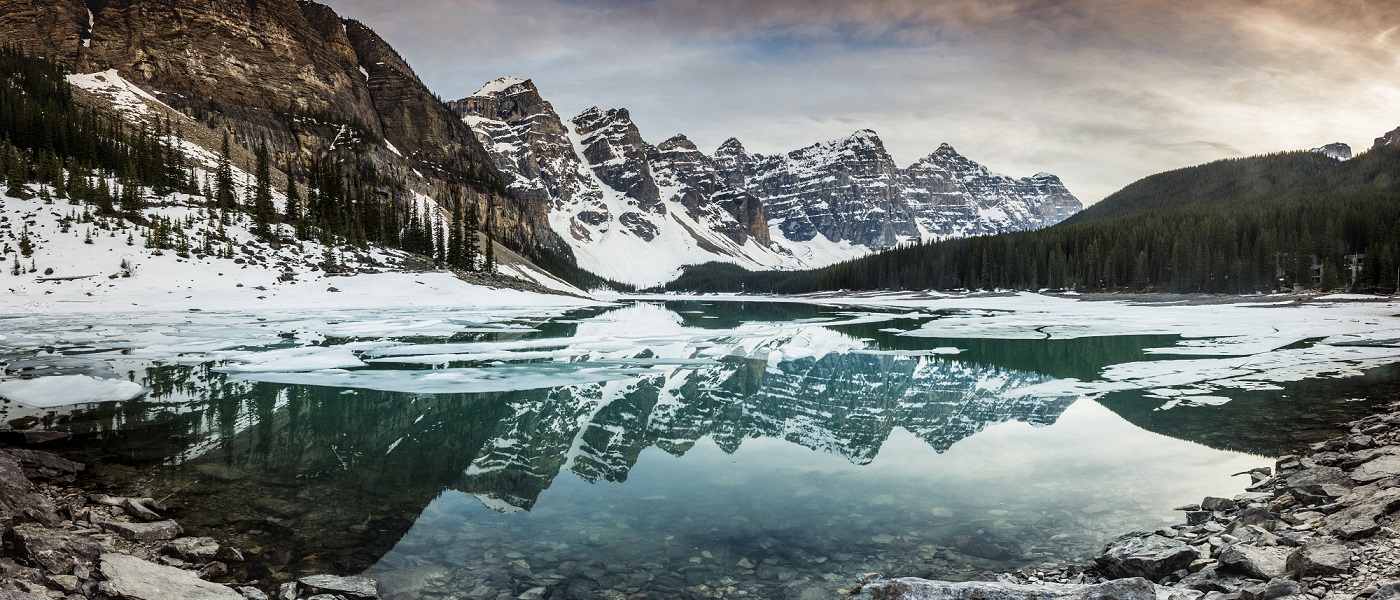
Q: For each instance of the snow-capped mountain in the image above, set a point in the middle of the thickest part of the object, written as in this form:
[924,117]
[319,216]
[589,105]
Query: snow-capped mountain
[1336,150]
[637,212]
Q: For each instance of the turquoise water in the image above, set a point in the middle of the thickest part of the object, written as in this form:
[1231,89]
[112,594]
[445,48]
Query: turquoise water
[680,449]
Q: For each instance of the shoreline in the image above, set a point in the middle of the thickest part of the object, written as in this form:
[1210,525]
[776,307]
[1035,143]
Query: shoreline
[1320,524]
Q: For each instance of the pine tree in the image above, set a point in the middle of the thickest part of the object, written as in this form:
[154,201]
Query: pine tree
[16,269]
[470,252]
[264,213]
[224,196]
[292,213]
[26,245]
[489,254]
[454,238]
[131,202]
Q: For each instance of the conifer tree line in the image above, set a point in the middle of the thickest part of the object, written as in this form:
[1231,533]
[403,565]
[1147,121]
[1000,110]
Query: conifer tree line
[79,153]
[1240,226]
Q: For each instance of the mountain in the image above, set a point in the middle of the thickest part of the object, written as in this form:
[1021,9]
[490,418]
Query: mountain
[638,212]
[1258,224]
[1337,150]
[317,88]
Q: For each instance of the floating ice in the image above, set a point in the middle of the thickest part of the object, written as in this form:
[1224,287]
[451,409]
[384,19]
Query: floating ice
[65,390]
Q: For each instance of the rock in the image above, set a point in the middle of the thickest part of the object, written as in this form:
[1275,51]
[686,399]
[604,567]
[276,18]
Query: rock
[1359,520]
[33,437]
[18,499]
[1214,504]
[138,579]
[1263,563]
[13,595]
[1387,592]
[1273,590]
[287,591]
[1153,557]
[923,589]
[45,466]
[195,548]
[354,588]
[55,550]
[143,532]
[1319,484]
[1210,579]
[1319,560]
[1381,467]
[252,593]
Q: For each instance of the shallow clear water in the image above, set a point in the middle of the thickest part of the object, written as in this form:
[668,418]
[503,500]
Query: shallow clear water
[685,449]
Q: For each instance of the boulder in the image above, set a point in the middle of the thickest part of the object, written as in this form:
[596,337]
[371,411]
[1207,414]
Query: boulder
[46,466]
[1319,484]
[55,550]
[1381,467]
[1261,563]
[1213,504]
[1152,557]
[195,548]
[13,595]
[18,499]
[910,588]
[1319,560]
[138,579]
[1359,519]
[143,532]
[354,588]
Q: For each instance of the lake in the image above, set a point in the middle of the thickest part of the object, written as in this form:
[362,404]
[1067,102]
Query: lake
[678,448]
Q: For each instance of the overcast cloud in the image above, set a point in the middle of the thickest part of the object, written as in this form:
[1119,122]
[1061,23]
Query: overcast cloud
[1099,92]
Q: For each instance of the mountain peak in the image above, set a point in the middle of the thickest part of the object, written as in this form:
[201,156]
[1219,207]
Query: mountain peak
[1336,150]
[501,85]
[731,147]
[1390,139]
[678,141]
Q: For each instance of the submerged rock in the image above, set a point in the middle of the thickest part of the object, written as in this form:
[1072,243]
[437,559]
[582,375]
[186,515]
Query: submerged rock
[1151,556]
[355,588]
[922,589]
[138,579]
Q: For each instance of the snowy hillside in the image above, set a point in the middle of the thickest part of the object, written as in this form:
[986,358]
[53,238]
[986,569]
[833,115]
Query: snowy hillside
[637,212]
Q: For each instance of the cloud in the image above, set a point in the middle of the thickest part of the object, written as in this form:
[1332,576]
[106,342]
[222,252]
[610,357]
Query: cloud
[1100,92]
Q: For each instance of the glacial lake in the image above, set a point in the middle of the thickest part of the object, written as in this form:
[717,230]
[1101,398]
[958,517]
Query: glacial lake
[676,449]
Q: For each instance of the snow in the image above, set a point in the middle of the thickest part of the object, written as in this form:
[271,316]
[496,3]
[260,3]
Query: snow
[66,390]
[499,85]
[127,99]
[167,282]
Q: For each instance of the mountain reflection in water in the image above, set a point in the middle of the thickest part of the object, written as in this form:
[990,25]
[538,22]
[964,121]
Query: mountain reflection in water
[315,478]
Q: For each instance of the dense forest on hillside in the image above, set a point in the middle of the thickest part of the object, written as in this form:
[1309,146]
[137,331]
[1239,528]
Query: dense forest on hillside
[1235,226]
[82,156]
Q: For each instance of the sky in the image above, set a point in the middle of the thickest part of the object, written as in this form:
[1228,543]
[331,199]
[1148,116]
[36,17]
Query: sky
[1099,92]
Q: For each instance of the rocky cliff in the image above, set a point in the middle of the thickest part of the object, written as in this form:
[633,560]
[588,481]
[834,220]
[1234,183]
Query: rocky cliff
[294,73]
[637,212]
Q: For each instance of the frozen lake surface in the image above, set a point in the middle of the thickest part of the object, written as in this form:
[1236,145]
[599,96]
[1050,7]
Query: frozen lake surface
[691,447]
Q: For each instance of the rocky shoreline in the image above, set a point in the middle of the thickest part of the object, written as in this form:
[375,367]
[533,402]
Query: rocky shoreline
[61,542]
[1316,526]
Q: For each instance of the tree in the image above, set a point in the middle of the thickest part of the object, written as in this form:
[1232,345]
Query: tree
[470,252]
[488,263]
[264,213]
[26,245]
[224,196]
[132,202]
[292,212]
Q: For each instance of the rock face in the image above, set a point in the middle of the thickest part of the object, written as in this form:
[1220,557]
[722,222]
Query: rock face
[293,72]
[1336,150]
[1389,139]
[922,589]
[636,212]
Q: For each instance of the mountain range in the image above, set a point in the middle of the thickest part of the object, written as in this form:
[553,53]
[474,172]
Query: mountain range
[636,212]
[321,89]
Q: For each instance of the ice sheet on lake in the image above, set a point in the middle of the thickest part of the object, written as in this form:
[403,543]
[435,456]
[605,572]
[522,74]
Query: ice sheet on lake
[502,378]
[66,390]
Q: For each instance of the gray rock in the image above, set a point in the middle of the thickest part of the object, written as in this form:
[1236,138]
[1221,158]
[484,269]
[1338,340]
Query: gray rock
[55,550]
[143,532]
[1217,504]
[287,591]
[18,500]
[1389,591]
[1319,560]
[1263,563]
[1381,467]
[13,595]
[922,589]
[252,593]
[355,588]
[1153,557]
[1359,519]
[1319,484]
[195,548]
[1210,579]
[43,465]
[138,579]
[1273,590]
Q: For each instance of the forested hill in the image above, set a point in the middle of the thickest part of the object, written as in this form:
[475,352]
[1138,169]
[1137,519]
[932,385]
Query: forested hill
[1233,226]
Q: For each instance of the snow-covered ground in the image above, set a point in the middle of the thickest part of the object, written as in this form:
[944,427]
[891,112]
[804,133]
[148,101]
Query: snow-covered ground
[90,277]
